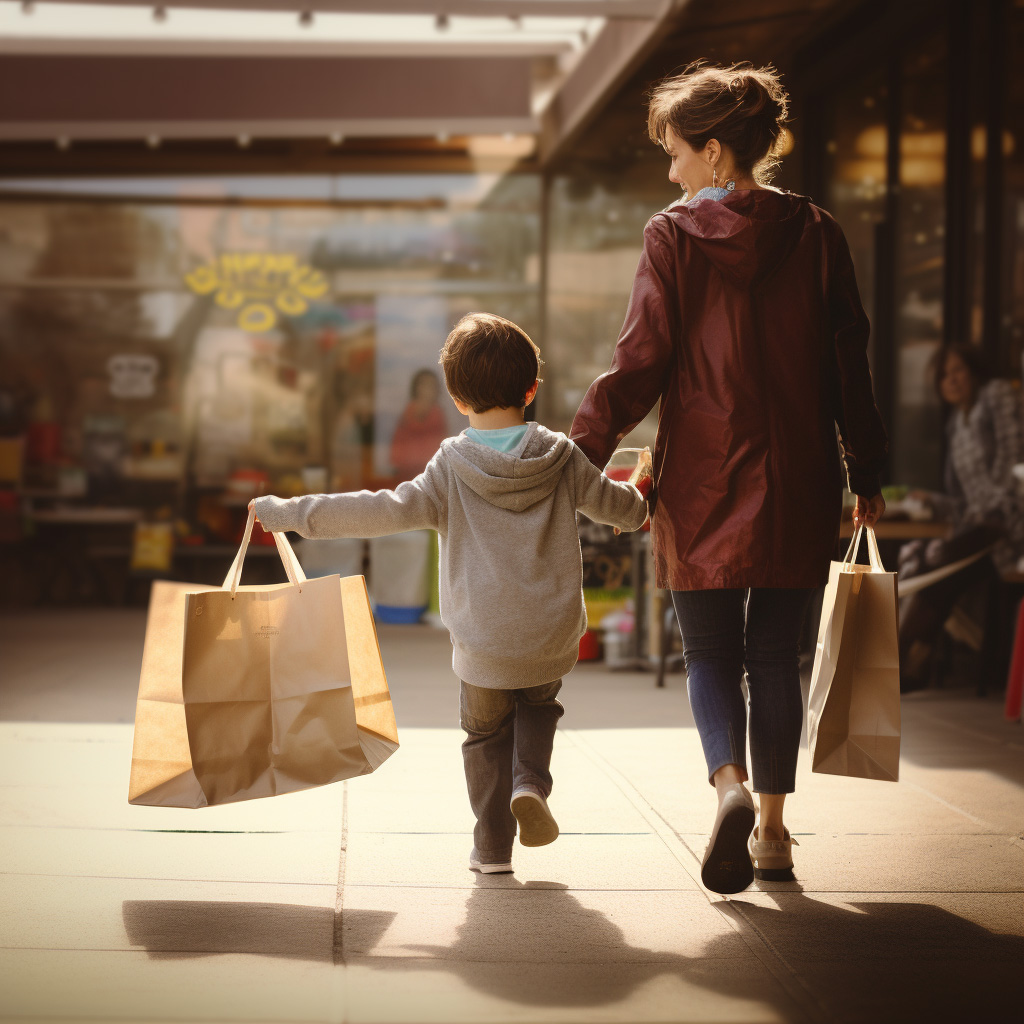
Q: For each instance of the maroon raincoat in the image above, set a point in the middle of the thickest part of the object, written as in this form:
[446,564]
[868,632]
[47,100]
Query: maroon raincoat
[746,323]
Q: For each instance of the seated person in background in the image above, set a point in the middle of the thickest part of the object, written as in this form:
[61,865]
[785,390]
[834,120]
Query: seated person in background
[984,443]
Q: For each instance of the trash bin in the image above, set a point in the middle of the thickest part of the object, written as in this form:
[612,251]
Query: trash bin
[400,576]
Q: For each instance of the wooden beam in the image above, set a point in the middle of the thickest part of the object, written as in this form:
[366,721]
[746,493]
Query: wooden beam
[453,8]
[202,97]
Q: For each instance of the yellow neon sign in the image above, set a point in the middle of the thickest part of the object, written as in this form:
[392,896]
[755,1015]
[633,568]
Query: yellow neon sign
[260,285]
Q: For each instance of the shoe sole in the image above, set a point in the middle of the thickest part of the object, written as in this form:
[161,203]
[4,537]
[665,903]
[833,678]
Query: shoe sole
[492,869]
[727,868]
[536,825]
[774,874]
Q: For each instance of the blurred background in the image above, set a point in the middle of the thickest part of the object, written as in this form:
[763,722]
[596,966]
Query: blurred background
[234,233]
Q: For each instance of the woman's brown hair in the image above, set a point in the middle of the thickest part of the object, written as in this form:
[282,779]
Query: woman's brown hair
[741,106]
[970,355]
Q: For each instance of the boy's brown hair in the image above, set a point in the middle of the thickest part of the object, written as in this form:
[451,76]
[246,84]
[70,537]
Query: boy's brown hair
[489,362]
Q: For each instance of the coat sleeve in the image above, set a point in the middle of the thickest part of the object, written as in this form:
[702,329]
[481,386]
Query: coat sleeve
[619,399]
[604,500]
[417,504]
[862,434]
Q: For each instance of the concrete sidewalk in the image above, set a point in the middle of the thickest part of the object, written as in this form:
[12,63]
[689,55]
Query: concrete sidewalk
[353,902]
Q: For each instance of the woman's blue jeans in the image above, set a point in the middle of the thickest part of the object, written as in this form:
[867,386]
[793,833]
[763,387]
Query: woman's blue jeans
[727,632]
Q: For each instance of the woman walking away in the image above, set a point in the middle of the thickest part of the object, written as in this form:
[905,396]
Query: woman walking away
[745,321]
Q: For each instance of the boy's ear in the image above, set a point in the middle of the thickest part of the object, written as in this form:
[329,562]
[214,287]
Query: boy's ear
[531,394]
[461,406]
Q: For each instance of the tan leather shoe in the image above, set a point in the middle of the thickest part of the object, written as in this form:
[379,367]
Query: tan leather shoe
[772,858]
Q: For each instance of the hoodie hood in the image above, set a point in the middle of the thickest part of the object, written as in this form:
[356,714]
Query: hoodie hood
[747,234]
[513,480]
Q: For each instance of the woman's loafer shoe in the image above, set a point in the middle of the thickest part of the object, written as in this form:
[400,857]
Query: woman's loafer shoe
[772,859]
[727,867]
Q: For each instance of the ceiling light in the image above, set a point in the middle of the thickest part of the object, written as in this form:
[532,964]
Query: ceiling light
[153,141]
[442,137]
[335,138]
[244,141]
[63,142]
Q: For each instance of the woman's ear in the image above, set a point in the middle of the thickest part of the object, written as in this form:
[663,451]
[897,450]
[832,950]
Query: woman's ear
[713,152]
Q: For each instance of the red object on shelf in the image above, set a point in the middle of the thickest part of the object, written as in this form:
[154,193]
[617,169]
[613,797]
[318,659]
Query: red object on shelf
[1015,682]
[590,646]
[43,447]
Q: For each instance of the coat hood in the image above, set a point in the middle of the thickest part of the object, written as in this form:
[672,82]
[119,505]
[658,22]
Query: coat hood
[514,480]
[746,234]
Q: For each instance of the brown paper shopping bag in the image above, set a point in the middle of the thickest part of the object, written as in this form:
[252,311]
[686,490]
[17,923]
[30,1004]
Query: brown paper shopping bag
[853,714]
[259,690]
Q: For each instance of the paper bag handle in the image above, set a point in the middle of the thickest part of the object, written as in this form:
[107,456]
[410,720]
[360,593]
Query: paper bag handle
[291,563]
[874,556]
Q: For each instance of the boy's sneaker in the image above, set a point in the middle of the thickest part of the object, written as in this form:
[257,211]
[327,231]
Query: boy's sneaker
[488,868]
[537,826]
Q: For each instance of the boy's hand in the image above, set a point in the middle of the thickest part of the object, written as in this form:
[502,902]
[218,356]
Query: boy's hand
[252,505]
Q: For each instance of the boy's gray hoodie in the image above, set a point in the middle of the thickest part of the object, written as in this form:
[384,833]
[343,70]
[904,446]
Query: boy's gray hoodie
[511,570]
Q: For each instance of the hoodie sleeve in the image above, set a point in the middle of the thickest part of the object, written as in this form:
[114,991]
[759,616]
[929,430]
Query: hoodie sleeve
[417,504]
[619,399]
[605,500]
[862,434]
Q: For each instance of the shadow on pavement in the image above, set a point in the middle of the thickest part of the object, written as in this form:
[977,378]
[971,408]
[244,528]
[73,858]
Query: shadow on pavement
[885,961]
[542,947]
[190,928]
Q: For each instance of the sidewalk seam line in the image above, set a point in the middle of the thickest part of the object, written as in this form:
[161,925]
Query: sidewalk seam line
[789,980]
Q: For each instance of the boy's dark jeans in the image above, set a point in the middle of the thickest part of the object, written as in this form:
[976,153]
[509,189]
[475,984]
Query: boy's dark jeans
[510,734]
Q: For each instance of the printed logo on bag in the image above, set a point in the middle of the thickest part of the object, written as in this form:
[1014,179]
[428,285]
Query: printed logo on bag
[260,285]
[268,631]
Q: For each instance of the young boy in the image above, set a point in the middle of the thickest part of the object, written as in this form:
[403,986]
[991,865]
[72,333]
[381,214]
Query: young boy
[503,497]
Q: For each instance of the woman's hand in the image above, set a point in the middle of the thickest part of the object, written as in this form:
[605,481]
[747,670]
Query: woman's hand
[868,510]
[643,475]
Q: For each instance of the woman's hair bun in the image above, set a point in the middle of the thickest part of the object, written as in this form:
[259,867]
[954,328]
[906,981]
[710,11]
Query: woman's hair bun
[741,106]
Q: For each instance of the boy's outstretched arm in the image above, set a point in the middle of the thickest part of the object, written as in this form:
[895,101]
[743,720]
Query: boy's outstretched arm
[605,500]
[414,505]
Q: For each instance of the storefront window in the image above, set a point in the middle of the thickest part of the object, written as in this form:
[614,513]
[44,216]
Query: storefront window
[856,148]
[176,344]
[918,287]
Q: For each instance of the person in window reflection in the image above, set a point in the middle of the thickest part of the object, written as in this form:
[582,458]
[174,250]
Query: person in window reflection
[984,444]
[746,324]
[422,427]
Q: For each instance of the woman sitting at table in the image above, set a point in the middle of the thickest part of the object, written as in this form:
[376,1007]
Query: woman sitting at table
[984,443]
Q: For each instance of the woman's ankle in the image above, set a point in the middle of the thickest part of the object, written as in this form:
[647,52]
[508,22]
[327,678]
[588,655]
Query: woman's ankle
[726,777]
